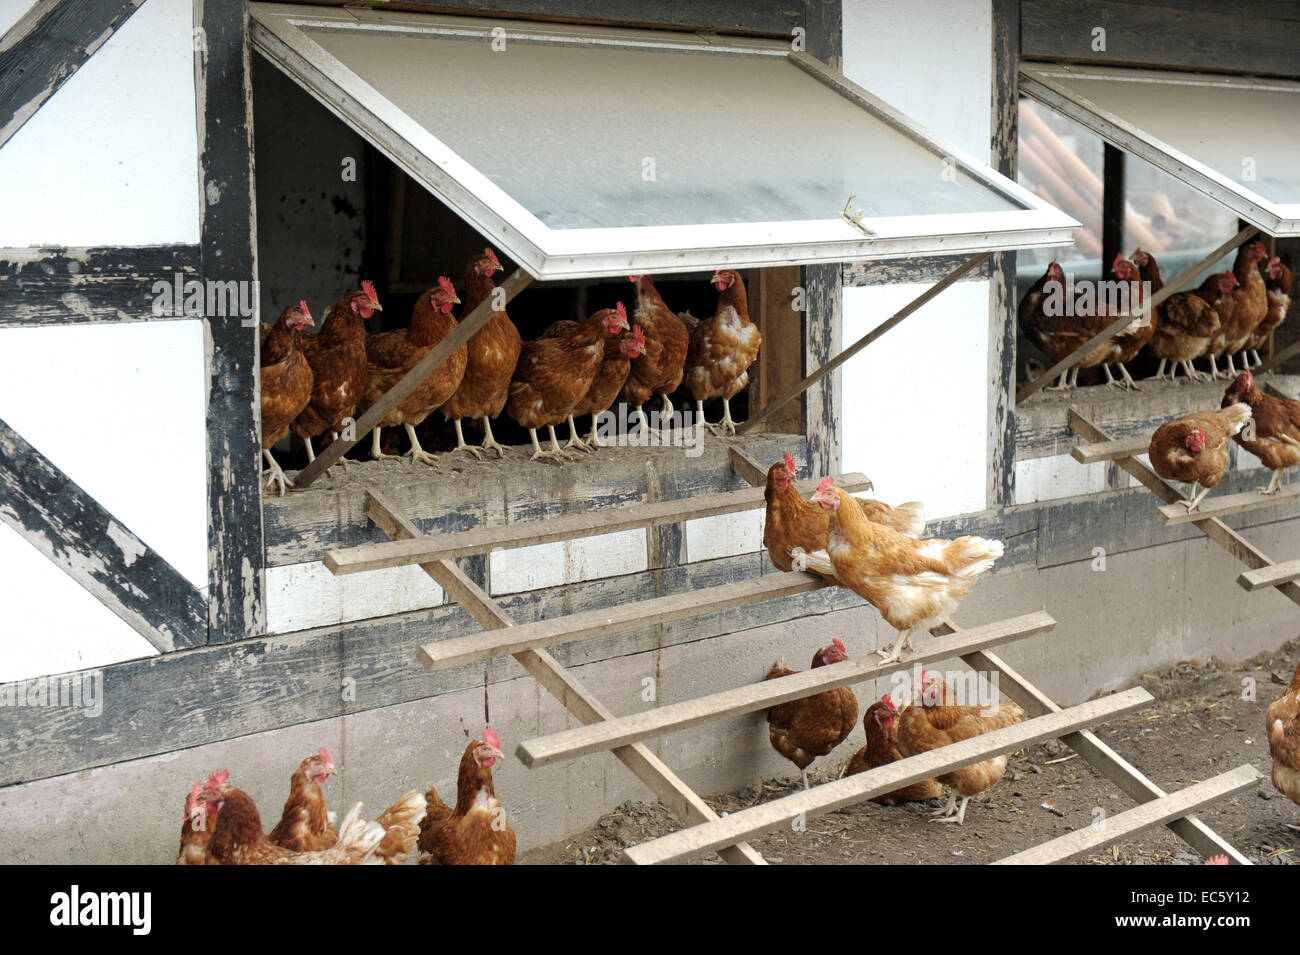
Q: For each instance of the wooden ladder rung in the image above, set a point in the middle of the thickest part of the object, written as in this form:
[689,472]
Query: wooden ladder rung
[1125,825]
[431,547]
[1228,504]
[1110,450]
[746,699]
[766,817]
[1270,576]
[590,623]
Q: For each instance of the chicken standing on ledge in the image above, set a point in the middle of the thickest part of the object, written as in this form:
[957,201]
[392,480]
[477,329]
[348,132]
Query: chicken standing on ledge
[390,355]
[881,725]
[1283,727]
[721,350]
[935,719]
[553,374]
[915,584]
[804,729]
[659,370]
[1194,448]
[1277,285]
[286,383]
[1185,324]
[792,522]
[475,831]
[491,356]
[337,355]
[1274,437]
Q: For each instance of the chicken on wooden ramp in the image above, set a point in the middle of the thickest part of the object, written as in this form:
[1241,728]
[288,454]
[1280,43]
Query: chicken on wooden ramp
[802,730]
[1273,435]
[1193,449]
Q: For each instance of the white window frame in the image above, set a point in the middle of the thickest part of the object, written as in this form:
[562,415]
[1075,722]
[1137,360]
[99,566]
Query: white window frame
[277,33]
[1049,84]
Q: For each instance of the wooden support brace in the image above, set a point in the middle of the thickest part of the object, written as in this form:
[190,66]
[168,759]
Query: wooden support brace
[591,623]
[675,794]
[1279,357]
[1211,527]
[1264,577]
[1125,825]
[364,557]
[917,303]
[426,366]
[758,696]
[765,817]
[1170,288]
[1172,514]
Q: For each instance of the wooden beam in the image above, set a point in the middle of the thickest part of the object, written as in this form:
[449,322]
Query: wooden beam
[1277,359]
[674,793]
[1101,757]
[1171,514]
[765,817]
[924,270]
[87,543]
[823,402]
[364,557]
[41,53]
[750,471]
[420,371]
[590,623]
[1170,288]
[228,250]
[60,286]
[675,717]
[917,303]
[1110,450]
[1133,822]
[1265,577]
[1211,527]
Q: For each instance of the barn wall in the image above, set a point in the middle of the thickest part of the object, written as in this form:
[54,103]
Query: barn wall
[916,402]
[132,818]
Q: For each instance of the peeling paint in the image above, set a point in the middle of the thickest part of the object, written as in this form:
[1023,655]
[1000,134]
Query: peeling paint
[131,547]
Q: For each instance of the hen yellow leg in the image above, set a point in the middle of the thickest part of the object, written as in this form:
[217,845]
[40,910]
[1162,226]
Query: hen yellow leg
[274,475]
[418,453]
[960,817]
[574,441]
[462,446]
[489,442]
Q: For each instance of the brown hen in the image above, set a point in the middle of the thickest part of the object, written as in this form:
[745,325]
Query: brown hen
[721,350]
[804,729]
[1194,448]
[475,831]
[881,725]
[286,383]
[1283,728]
[659,370]
[1274,434]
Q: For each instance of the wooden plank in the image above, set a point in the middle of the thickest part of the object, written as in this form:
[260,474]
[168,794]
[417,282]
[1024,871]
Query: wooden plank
[1257,36]
[768,816]
[925,270]
[1133,822]
[910,308]
[675,717]
[302,525]
[60,286]
[1278,358]
[1211,527]
[420,371]
[590,623]
[81,538]
[227,242]
[774,293]
[1110,450]
[50,51]
[1264,577]
[1174,285]
[748,468]
[1101,757]
[823,403]
[1173,514]
[679,797]
[480,540]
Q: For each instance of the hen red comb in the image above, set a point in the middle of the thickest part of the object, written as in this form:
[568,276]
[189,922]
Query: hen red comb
[368,287]
[886,700]
[621,309]
[444,283]
[491,255]
[325,755]
[826,484]
[1276,260]
[789,464]
[840,646]
[492,737]
[302,307]
[639,335]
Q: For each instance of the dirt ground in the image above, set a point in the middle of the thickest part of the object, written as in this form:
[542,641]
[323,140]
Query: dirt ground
[1198,726]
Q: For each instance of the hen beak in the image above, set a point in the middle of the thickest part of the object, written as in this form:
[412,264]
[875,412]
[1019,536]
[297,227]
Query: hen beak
[499,268]
[376,306]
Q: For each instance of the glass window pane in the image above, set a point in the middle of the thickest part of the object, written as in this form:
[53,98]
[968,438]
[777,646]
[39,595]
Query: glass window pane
[590,136]
[1061,163]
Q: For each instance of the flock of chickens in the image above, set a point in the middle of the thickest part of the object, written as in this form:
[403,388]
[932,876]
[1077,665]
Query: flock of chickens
[1232,313]
[315,383]
[872,549]
[223,827]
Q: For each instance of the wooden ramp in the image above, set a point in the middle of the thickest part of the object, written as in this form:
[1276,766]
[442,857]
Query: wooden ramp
[1206,517]
[624,737]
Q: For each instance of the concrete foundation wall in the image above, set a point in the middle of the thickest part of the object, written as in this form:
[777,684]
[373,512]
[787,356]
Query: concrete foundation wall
[1112,625]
